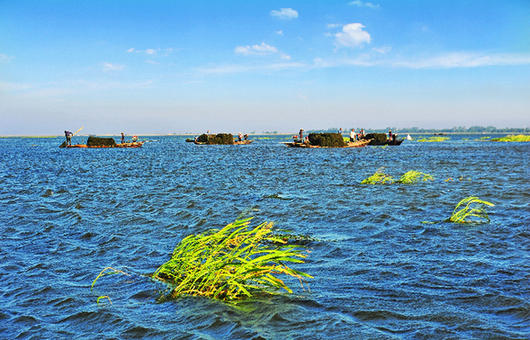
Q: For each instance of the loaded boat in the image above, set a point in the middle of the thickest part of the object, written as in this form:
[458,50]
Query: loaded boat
[220,139]
[99,142]
[356,144]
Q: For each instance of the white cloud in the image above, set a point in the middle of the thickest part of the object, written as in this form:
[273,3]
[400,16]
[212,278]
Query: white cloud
[112,67]
[367,4]
[153,51]
[443,61]
[262,49]
[4,58]
[465,60]
[230,69]
[285,13]
[382,49]
[331,26]
[279,32]
[352,35]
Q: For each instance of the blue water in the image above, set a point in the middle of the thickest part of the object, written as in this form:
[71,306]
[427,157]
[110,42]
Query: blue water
[379,272]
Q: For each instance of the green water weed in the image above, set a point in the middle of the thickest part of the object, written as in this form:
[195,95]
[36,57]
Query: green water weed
[471,210]
[412,176]
[231,263]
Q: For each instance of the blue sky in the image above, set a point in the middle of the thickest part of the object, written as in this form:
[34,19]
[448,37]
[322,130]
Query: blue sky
[191,66]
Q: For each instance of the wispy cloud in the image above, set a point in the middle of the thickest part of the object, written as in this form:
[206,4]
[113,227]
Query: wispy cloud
[366,4]
[443,61]
[331,26]
[9,86]
[152,51]
[382,49]
[4,58]
[285,13]
[261,49]
[108,67]
[352,35]
[465,60]
[236,68]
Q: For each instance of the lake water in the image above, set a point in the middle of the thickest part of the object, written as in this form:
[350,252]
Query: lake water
[379,272]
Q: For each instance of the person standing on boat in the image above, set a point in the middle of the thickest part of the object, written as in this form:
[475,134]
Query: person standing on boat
[68,135]
[389,134]
[301,135]
[240,137]
[122,138]
[134,139]
[352,135]
[245,137]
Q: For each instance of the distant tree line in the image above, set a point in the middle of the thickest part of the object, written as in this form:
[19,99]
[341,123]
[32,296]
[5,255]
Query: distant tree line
[460,129]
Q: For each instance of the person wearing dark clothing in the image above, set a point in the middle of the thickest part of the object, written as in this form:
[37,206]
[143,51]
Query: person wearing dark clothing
[301,135]
[245,137]
[122,138]
[68,136]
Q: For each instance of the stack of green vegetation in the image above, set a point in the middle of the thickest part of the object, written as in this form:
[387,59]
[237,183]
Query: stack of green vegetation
[377,138]
[100,141]
[378,177]
[412,176]
[512,138]
[327,139]
[234,262]
[471,210]
[220,138]
[433,139]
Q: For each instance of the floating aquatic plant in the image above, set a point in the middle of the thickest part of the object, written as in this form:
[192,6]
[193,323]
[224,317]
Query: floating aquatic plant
[433,139]
[471,210]
[379,177]
[231,263]
[483,139]
[412,176]
[512,138]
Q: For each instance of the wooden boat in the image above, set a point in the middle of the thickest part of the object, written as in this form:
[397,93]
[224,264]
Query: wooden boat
[356,144]
[243,142]
[121,145]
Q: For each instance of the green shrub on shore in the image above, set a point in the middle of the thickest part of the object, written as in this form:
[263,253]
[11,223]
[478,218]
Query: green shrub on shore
[231,263]
[471,210]
[412,176]
[512,138]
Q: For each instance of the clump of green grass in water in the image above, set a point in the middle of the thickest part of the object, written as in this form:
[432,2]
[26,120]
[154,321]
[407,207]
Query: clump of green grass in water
[412,176]
[512,138]
[231,263]
[379,177]
[471,210]
[433,139]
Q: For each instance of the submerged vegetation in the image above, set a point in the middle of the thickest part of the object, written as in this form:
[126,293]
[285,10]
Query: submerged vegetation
[379,177]
[433,139]
[231,263]
[512,138]
[412,176]
[471,210]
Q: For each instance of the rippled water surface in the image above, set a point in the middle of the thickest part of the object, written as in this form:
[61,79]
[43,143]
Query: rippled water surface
[379,272]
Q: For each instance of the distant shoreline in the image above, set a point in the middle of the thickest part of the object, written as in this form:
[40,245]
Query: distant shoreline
[399,133]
